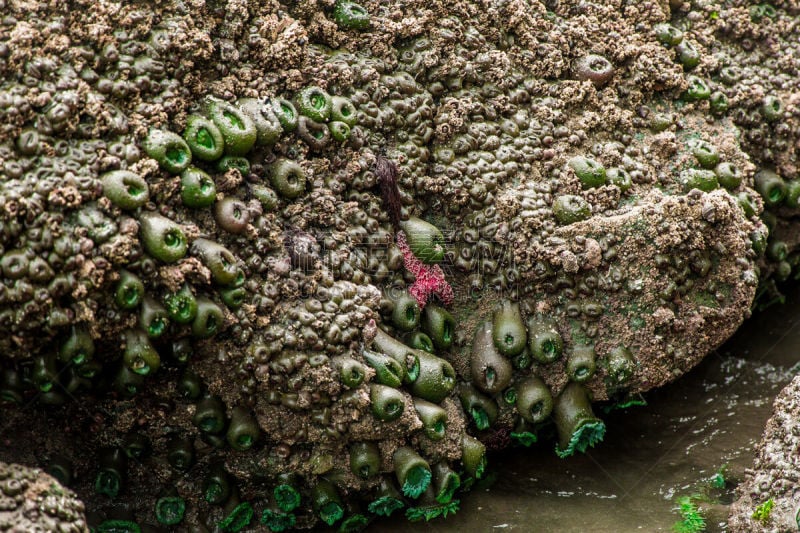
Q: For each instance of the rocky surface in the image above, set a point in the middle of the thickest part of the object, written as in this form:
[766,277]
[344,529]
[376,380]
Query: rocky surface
[31,500]
[774,477]
[588,176]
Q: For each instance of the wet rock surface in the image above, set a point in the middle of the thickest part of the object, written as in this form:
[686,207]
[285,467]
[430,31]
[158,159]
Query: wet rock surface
[31,500]
[769,497]
[303,248]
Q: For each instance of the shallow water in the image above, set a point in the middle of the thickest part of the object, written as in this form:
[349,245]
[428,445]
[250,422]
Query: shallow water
[712,416]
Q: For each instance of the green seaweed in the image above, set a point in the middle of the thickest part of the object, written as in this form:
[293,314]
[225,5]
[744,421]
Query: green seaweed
[763,512]
[692,519]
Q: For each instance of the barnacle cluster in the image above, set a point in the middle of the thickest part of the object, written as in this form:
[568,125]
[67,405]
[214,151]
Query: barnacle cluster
[322,255]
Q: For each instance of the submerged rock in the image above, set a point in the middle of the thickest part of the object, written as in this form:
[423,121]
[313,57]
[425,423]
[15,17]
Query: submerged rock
[308,261]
